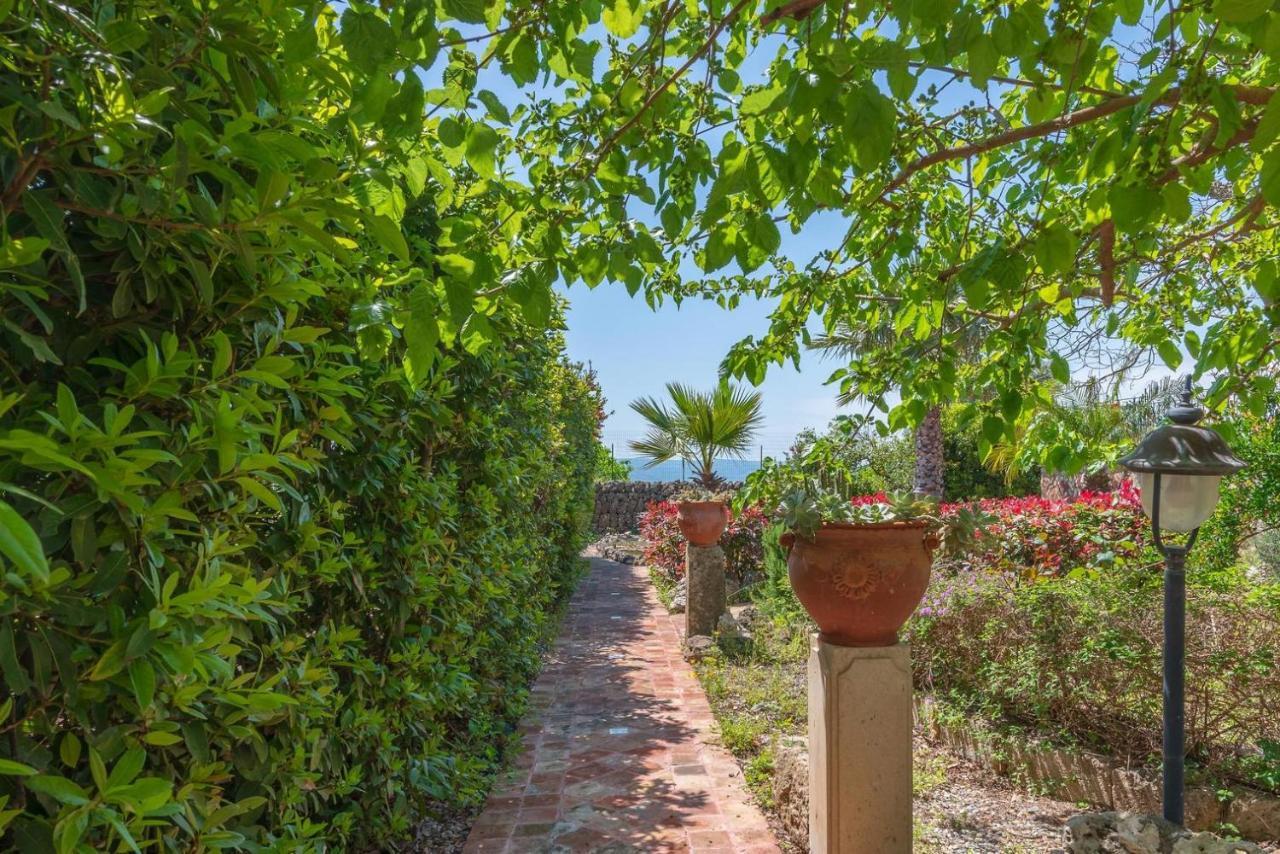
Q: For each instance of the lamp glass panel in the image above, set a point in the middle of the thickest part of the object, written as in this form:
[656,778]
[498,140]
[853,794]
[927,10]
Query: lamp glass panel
[1186,500]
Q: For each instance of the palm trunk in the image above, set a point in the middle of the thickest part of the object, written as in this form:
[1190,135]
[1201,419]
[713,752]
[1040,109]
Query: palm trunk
[928,475]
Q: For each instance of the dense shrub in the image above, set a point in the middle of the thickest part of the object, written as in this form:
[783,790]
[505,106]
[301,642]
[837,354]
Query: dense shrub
[608,467]
[1053,622]
[286,503]
[966,475]
[1032,537]
[664,544]
[1249,509]
[1080,659]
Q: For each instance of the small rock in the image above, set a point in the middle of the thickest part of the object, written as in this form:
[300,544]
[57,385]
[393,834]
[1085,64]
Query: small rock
[1207,843]
[746,615]
[698,647]
[1126,833]
[680,598]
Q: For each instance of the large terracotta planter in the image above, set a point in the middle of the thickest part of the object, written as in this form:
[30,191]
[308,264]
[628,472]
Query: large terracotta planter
[702,522]
[860,583]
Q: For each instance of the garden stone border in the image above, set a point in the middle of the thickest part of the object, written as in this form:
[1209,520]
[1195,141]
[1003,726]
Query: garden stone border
[1080,775]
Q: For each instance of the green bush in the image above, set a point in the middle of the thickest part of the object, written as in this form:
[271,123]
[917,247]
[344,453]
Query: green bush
[608,467]
[1249,510]
[286,501]
[1078,659]
[966,476]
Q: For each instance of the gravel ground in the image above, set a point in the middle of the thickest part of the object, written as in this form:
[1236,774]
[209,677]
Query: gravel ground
[445,833]
[970,810]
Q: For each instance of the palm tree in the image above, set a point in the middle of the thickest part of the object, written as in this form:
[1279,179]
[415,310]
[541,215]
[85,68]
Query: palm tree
[698,427]
[1092,409]
[849,342]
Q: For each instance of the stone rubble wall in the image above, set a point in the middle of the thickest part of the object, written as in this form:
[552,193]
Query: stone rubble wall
[620,503]
[1067,487]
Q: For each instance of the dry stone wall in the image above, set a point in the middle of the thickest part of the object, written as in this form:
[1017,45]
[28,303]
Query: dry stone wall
[620,503]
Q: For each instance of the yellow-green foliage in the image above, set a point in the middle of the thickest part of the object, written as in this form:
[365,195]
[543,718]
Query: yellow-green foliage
[285,502]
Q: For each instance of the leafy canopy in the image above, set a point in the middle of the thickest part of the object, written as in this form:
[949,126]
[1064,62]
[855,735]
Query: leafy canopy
[1068,178]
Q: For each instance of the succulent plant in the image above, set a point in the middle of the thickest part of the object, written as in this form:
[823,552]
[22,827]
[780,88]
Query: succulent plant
[805,511]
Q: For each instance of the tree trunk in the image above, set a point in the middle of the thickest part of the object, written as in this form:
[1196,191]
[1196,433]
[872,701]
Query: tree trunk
[929,477]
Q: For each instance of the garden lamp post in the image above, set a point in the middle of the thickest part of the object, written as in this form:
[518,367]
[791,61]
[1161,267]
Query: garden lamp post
[1179,467]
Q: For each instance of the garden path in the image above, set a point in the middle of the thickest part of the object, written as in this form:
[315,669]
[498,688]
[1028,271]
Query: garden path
[618,749]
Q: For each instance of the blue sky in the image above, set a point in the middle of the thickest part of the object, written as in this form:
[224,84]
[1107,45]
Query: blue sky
[636,351]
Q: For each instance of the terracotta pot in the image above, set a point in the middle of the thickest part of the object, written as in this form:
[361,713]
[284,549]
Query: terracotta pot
[702,522]
[860,583]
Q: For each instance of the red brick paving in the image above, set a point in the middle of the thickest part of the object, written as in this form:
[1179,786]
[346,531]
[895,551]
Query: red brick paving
[619,753]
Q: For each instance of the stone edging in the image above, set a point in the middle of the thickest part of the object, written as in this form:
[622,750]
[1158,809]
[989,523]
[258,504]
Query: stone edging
[1078,775]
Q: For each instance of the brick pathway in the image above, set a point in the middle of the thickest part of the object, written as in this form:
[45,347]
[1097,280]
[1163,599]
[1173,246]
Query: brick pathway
[619,752]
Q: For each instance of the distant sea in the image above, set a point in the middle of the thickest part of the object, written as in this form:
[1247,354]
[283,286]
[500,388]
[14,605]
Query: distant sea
[734,470]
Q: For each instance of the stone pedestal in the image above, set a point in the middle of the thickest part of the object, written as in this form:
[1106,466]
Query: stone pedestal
[859,749]
[704,567]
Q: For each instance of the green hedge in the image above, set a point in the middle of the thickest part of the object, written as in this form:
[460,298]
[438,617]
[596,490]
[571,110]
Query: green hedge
[286,500]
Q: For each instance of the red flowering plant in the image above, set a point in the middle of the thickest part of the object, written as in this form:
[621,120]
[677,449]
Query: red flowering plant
[742,540]
[1033,537]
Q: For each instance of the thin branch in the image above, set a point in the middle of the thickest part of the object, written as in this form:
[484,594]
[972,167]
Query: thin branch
[613,138]
[1256,95]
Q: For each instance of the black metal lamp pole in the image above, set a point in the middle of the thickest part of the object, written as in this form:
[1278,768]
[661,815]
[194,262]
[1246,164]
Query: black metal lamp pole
[1175,670]
[1193,458]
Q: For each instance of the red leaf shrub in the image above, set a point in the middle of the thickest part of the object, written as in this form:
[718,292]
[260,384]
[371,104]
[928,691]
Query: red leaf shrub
[664,544]
[1033,537]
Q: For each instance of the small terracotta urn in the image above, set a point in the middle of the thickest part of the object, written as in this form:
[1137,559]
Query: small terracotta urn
[702,522]
[860,583]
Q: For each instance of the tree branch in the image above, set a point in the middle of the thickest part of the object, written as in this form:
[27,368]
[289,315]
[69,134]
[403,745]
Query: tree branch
[797,10]
[1256,95]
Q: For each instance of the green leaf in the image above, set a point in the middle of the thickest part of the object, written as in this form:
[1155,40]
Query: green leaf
[1268,126]
[1133,205]
[48,220]
[1269,178]
[15,769]
[59,788]
[1055,249]
[221,355]
[1170,353]
[471,11]
[19,543]
[762,101]
[142,676]
[368,39]
[623,17]
[21,251]
[983,60]
[387,232]
[482,140]
[421,334]
[147,794]
[1060,369]
[111,662]
[1240,11]
[871,123]
[261,492]
[497,110]
[69,750]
